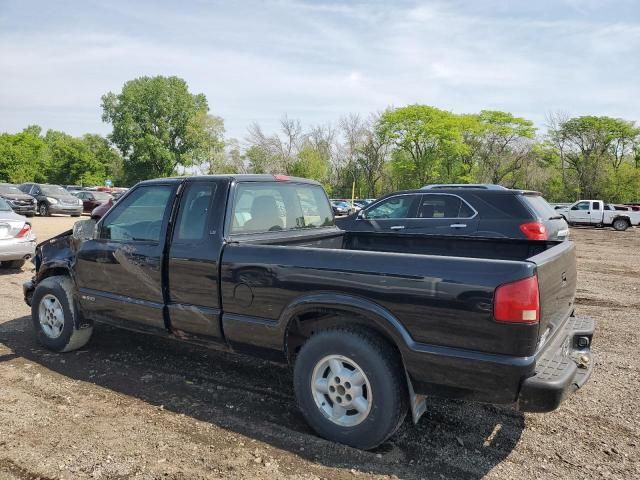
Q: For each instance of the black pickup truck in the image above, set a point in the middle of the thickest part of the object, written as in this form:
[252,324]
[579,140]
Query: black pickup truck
[370,322]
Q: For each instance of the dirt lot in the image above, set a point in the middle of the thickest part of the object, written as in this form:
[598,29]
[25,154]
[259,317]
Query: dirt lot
[131,406]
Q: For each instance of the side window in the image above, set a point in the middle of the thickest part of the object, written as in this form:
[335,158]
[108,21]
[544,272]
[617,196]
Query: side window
[443,206]
[34,190]
[138,217]
[596,206]
[394,207]
[194,213]
[581,206]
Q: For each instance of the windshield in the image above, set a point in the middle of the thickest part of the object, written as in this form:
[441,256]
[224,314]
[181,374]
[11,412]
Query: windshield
[540,207]
[4,206]
[276,206]
[54,190]
[341,204]
[10,189]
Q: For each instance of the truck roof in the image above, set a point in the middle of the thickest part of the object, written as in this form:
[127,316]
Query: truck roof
[240,177]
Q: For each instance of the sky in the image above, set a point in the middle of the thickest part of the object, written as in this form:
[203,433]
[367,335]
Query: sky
[319,60]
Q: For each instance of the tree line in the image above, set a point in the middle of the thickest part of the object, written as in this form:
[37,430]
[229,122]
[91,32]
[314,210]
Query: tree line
[159,128]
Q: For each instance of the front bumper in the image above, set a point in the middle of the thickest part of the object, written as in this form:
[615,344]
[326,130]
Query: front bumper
[66,209]
[28,288]
[24,209]
[561,368]
[17,248]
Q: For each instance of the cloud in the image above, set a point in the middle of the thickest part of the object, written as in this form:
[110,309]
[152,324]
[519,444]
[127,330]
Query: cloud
[317,61]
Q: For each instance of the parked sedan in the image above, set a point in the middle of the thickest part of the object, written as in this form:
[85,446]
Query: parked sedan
[91,200]
[17,241]
[475,210]
[20,202]
[53,199]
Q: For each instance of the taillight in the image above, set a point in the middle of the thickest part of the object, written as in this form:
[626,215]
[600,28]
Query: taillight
[534,231]
[25,231]
[517,302]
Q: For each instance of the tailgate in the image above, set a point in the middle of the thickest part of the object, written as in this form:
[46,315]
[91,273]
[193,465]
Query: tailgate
[557,275]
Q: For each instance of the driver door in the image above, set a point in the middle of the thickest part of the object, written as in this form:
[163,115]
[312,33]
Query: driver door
[580,212]
[119,273]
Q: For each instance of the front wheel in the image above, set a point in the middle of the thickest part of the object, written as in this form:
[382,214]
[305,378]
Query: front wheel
[350,387]
[54,316]
[43,210]
[620,224]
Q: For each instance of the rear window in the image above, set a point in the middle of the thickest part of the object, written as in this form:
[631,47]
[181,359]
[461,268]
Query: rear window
[499,205]
[540,206]
[273,206]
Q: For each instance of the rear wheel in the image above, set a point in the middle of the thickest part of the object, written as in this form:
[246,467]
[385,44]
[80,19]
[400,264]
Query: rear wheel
[15,264]
[620,224]
[43,210]
[54,316]
[350,387]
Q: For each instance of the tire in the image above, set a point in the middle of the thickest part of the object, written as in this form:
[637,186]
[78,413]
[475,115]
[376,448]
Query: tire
[29,215]
[620,224]
[381,400]
[55,323]
[14,264]
[43,209]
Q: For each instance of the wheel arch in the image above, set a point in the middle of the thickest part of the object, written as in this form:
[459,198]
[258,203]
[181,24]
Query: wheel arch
[318,311]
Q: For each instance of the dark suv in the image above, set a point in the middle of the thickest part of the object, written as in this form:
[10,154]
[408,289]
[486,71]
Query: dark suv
[53,199]
[20,202]
[471,210]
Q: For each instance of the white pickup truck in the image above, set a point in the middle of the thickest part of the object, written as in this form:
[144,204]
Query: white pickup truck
[598,214]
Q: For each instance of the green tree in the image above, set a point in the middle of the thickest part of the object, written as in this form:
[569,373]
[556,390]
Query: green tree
[499,143]
[594,148]
[154,123]
[23,156]
[429,136]
[72,161]
[107,156]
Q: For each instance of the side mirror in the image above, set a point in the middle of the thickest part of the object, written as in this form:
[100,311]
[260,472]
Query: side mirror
[362,215]
[84,229]
[574,208]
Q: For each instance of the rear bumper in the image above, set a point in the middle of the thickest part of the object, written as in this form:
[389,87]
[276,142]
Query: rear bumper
[562,368]
[538,383]
[16,249]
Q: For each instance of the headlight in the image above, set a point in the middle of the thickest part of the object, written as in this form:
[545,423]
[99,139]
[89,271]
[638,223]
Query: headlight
[10,202]
[79,202]
[52,200]
[34,201]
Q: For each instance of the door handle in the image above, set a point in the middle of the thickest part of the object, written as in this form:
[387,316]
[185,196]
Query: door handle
[458,225]
[397,227]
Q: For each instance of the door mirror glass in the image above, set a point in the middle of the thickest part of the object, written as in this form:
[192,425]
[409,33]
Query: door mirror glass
[362,215]
[84,229]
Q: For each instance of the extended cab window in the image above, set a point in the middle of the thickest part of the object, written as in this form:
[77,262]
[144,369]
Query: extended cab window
[194,212]
[444,206]
[393,207]
[274,206]
[139,216]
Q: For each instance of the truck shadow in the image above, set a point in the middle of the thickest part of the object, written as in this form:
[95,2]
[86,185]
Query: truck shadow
[254,398]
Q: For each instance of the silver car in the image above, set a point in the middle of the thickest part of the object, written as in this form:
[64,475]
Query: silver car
[17,240]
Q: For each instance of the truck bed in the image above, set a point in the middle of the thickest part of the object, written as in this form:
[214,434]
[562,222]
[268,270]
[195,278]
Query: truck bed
[439,288]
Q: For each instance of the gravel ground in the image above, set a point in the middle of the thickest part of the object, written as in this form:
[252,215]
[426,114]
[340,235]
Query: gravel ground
[132,406]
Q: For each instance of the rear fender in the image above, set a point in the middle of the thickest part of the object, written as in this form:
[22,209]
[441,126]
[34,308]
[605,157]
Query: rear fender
[377,317]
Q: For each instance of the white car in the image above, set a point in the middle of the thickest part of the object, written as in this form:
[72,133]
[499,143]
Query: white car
[17,240]
[599,214]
